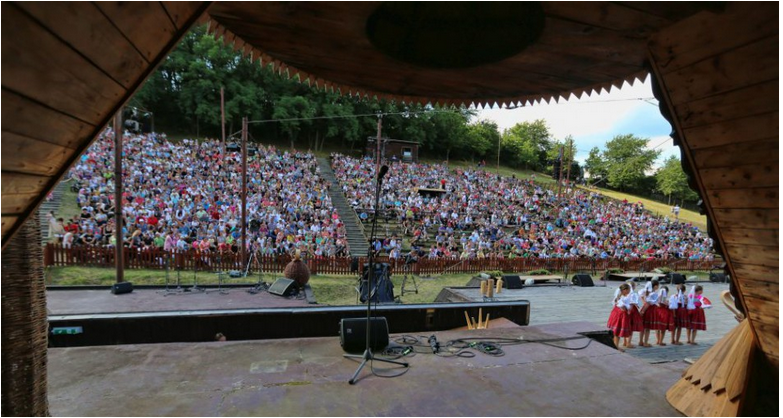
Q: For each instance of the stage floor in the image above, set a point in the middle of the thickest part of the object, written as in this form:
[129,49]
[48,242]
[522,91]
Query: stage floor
[71,302]
[308,377]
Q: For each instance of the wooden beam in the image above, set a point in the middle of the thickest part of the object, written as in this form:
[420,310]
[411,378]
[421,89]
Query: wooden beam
[95,37]
[734,69]
[747,218]
[28,118]
[742,176]
[181,11]
[748,129]
[146,24]
[740,24]
[735,235]
[40,64]
[754,254]
[7,223]
[761,198]
[31,156]
[736,104]
[731,155]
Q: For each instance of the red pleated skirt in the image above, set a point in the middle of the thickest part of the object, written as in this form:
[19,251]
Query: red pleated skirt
[637,322]
[698,320]
[651,317]
[665,319]
[619,322]
[682,318]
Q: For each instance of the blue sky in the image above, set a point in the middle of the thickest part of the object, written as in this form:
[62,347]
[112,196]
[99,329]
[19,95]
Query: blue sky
[594,120]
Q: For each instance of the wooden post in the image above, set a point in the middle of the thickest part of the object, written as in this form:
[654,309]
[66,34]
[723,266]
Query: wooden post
[378,148]
[24,324]
[568,170]
[222,125]
[119,262]
[560,175]
[244,192]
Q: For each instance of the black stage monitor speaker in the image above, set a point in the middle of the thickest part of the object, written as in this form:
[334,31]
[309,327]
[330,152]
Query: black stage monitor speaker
[676,278]
[120,288]
[582,280]
[282,287]
[353,334]
[512,282]
[718,277]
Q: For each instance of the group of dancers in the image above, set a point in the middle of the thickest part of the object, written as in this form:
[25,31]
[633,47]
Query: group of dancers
[653,309]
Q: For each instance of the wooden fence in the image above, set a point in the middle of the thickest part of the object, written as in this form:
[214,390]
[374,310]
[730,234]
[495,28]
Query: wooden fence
[86,256]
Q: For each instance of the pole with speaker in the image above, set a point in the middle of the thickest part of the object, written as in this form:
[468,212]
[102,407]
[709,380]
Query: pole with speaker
[372,333]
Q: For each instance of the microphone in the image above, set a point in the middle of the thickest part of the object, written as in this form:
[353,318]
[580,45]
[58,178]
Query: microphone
[384,170]
[434,344]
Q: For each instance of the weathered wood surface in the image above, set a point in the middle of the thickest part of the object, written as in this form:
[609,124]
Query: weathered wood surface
[741,176]
[25,117]
[31,156]
[146,24]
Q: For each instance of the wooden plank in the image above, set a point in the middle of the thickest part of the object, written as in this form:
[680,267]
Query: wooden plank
[766,311]
[753,254]
[767,237]
[40,66]
[748,101]
[608,16]
[94,37]
[751,64]
[759,289]
[146,24]
[762,197]
[28,118]
[743,271]
[730,155]
[747,218]
[741,176]
[31,156]
[747,129]
[14,204]
[7,222]
[15,183]
[181,11]
[768,336]
[707,34]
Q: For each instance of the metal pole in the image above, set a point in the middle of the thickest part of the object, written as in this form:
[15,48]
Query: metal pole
[118,247]
[378,147]
[568,170]
[498,166]
[222,123]
[244,190]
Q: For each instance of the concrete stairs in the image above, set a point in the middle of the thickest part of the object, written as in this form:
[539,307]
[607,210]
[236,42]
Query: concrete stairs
[357,240]
[52,204]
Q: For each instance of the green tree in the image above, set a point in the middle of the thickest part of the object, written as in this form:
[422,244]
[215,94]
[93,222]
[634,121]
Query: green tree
[297,108]
[627,161]
[672,181]
[527,144]
[595,165]
[483,139]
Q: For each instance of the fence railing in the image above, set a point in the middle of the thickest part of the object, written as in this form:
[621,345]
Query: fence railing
[157,259]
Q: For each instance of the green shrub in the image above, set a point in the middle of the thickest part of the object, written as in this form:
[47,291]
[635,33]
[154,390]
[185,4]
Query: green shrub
[540,272]
[615,270]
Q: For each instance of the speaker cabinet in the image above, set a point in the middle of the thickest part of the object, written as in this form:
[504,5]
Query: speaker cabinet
[676,278]
[512,282]
[582,280]
[283,287]
[353,334]
[121,288]
[718,278]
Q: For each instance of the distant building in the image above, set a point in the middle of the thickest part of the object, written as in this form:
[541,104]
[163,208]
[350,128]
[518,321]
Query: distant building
[407,151]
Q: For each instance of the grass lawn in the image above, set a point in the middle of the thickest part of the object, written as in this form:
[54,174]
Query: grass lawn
[68,206]
[659,208]
[328,289]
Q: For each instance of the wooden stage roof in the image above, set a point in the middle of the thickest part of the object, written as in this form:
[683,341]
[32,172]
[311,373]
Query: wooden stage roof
[68,67]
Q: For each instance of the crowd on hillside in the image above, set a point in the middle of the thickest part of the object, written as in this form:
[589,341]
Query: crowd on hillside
[179,195]
[483,215]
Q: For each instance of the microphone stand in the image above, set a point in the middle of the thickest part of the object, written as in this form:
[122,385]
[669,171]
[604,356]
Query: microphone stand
[368,355]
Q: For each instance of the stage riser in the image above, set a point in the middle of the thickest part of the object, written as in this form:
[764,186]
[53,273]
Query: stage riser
[259,324]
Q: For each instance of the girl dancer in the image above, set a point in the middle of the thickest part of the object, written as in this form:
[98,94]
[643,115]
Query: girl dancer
[620,320]
[637,323]
[674,303]
[649,310]
[665,318]
[696,306]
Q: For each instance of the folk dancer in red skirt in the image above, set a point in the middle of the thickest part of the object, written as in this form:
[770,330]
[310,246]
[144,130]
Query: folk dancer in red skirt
[674,304]
[637,323]
[620,319]
[649,310]
[683,318]
[665,320]
[697,303]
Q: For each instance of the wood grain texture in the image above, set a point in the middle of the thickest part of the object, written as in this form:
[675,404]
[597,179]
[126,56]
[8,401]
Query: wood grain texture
[747,218]
[42,64]
[759,289]
[95,37]
[25,117]
[748,129]
[761,197]
[16,183]
[15,204]
[181,11]
[766,237]
[731,155]
[146,24]
[735,104]
[31,156]
[7,222]
[741,176]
